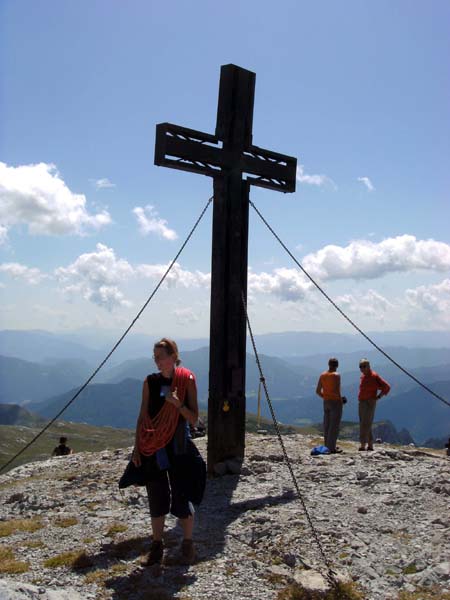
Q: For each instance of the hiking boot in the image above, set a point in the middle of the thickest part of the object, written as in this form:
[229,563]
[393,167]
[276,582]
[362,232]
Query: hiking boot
[336,451]
[155,555]
[369,448]
[187,552]
[361,449]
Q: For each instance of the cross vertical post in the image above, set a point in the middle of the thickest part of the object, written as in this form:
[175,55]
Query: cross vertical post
[186,149]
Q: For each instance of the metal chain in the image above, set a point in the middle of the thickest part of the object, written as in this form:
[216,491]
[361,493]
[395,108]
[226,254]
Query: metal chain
[3,467]
[352,323]
[331,576]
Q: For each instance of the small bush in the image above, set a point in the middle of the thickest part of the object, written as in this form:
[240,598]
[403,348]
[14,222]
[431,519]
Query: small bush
[410,569]
[66,521]
[83,561]
[33,544]
[8,563]
[116,528]
[15,525]
[343,591]
[73,560]
[99,576]
[126,548]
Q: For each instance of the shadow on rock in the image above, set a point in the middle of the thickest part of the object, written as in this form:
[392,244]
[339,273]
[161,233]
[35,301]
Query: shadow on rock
[213,518]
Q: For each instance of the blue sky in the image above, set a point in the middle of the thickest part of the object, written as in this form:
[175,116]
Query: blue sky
[358,91]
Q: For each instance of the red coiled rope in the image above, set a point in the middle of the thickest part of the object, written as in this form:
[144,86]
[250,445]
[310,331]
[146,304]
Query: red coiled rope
[157,432]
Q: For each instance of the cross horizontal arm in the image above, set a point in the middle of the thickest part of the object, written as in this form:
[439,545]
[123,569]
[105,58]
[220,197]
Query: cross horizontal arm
[189,150]
[272,170]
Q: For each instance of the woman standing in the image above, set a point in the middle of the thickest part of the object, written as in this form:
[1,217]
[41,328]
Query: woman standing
[169,406]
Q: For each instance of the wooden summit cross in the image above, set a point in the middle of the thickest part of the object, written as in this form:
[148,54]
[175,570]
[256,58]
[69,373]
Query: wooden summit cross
[189,150]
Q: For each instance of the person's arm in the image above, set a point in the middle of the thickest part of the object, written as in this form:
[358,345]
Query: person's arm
[319,387]
[383,386]
[136,457]
[188,410]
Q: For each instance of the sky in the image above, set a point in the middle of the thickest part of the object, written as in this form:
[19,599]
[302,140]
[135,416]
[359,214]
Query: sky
[357,91]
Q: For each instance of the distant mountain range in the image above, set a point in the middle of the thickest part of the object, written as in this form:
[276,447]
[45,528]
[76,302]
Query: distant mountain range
[117,405]
[46,384]
[112,404]
[23,381]
[93,346]
[13,414]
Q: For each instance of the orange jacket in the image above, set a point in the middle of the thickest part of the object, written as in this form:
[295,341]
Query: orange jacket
[370,383]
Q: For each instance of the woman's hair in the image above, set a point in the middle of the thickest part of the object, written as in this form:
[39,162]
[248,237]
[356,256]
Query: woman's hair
[170,347]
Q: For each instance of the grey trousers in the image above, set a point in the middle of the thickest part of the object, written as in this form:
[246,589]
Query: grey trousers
[332,414]
[366,415]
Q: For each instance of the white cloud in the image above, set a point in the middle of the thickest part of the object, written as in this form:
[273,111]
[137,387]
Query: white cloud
[288,284]
[177,276]
[95,276]
[371,304]
[3,234]
[104,183]
[150,222]
[36,196]
[366,181]
[318,180]
[185,316]
[432,298]
[17,271]
[363,259]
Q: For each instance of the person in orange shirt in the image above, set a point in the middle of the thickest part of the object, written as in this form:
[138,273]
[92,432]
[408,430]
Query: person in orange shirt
[371,388]
[329,388]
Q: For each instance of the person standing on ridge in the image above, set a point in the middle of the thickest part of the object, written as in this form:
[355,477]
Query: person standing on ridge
[371,388]
[329,388]
[163,443]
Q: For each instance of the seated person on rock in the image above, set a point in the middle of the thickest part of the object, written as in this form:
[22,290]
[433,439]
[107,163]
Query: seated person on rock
[62,449]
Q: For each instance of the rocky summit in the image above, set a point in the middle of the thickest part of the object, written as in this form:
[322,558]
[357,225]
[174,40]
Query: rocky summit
[380,520]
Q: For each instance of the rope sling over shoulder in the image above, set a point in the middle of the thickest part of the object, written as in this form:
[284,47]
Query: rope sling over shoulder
[156,433]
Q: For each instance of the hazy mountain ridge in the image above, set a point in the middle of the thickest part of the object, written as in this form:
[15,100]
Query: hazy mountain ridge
[291,382]
[36,346]
[24,381]
[111,404]
[13,414]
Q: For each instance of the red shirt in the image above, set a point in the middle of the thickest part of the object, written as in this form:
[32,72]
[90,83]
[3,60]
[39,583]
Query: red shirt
[370,383]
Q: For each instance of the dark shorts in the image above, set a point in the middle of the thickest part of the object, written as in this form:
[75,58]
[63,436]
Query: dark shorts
[165,495]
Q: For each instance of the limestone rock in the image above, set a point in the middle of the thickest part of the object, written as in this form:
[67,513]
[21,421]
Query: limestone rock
[11,590]
[382,517]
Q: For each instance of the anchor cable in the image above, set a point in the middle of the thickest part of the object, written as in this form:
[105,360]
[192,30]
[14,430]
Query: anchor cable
[331,576]
[352,323]
[122,337]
